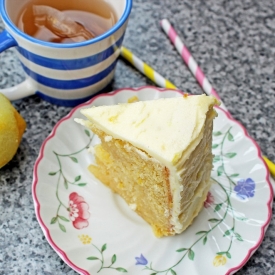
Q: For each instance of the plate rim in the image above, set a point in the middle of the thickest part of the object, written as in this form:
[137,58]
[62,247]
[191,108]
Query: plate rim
[35,181]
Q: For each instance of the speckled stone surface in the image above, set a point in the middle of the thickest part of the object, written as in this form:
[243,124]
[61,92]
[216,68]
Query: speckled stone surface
[233,41]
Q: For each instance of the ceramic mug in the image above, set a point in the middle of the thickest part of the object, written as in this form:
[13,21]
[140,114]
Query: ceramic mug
[63,74]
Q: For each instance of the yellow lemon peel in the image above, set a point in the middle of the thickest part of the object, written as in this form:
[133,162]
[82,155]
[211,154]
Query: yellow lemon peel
[12,127]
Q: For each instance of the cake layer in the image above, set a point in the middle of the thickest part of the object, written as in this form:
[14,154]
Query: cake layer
[141,180]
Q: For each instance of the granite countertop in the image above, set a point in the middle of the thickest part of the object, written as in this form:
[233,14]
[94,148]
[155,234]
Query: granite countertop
[233,41]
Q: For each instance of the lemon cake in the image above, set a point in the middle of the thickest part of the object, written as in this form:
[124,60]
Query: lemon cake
[157,156]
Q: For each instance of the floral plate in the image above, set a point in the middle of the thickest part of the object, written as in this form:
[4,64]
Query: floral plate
[94,231]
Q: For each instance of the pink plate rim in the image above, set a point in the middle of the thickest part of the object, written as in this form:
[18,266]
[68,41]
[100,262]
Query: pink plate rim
[46,231]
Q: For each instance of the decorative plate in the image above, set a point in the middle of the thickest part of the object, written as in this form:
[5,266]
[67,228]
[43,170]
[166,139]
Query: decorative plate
[95,232]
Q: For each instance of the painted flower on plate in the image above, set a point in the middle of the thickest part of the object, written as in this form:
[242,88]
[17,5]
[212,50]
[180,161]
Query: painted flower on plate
[141,260]
[245,188]
[219,260]
[85,239]
[79,211]
[209,200]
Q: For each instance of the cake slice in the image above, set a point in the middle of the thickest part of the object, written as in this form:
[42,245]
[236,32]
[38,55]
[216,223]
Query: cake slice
[157,156]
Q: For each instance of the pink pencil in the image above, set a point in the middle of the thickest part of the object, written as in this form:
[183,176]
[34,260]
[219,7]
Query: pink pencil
[189,60]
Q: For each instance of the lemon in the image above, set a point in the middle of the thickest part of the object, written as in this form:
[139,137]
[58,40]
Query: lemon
[12,127]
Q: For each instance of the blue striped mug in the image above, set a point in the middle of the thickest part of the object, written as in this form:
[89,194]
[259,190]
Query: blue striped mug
[63,74]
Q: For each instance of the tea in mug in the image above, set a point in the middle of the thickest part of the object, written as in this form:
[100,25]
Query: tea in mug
[63,21]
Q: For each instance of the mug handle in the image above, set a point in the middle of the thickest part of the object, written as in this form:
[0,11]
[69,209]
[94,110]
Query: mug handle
[23,89]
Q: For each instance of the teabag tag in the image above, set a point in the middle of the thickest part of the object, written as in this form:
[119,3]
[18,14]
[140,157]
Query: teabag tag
[60,24]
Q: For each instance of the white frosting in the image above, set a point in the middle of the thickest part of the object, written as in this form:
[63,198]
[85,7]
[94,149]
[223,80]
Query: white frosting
[128,147]
[157,127]
[133,206]
[167,129]
[108,138]
[91,150]
[142,154]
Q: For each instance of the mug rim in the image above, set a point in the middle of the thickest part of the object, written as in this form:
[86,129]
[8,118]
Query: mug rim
[106,34]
